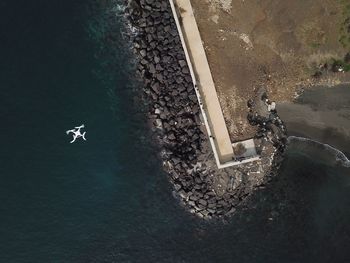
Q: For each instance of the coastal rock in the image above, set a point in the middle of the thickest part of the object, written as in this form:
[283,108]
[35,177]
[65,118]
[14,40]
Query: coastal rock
[182,63]
[202,202]
[171,136]
[156,87]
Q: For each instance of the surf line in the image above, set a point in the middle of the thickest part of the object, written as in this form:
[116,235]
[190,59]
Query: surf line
[339,155]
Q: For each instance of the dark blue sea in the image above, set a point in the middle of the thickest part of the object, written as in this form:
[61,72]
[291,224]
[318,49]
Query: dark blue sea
[66,63]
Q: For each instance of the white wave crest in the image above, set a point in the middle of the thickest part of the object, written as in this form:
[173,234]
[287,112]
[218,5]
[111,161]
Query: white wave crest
[339,156]
[118,9]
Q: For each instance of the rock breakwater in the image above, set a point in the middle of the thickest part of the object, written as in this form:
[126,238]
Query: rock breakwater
[175,118]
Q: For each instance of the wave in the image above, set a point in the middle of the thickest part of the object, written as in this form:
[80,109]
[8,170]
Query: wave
[340,157]
[118,9]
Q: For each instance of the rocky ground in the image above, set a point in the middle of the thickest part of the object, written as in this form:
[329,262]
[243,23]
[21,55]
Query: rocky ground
[175,118]
[284,46]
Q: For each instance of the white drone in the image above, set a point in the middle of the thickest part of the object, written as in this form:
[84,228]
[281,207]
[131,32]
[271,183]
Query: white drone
[76,133]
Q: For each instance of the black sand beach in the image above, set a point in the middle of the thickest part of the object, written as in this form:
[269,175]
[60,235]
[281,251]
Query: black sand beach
[321,114]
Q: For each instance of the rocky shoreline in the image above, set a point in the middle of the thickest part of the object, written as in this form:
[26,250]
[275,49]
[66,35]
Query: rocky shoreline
[175,118]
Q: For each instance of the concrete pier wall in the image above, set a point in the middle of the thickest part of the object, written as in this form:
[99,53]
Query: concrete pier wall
[204,84]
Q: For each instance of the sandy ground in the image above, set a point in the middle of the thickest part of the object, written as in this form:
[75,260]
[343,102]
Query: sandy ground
[276,44]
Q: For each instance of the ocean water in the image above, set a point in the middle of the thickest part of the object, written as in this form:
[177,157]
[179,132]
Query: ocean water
[64,63]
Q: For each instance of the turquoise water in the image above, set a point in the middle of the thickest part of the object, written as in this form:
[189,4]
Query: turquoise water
[64,63]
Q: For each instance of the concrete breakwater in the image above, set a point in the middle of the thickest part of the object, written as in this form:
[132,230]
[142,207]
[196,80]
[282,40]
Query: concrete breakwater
[175,117]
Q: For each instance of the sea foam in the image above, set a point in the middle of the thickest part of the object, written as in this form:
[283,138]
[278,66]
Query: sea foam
[340,157]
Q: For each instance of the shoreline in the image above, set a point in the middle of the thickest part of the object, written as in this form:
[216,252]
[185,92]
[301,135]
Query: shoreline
[305,145]
[326,136]
[320,114]
[175,119]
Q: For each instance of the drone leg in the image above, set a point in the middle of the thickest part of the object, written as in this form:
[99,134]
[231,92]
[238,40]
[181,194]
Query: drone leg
[83,135]
[74,138]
